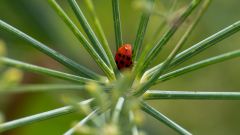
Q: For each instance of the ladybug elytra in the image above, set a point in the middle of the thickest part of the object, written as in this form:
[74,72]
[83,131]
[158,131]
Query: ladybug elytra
[123,57]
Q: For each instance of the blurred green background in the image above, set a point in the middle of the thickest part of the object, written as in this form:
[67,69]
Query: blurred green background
[37,19]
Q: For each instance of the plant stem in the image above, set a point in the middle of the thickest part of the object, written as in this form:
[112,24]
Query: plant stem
[198,65]
[187,33]
[141,31]
[131,120]
[148,109]
[88,30]
[90,117]
[102,37]
[147,49]
[117,111]
[82,122]
[153,54]
[40,117]
[169,59]
[50,88]
[117,24]
[199,47]
[51,53]
[45,71]
[108,72]
[155,94]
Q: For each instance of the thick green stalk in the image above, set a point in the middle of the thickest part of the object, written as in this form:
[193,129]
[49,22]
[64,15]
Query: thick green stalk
[108,72]
[142,26]
[117,24]
[151,111]
[117,111]
[41,116]
[88,30]
[102,37]
[51,53]
[153,54]
[198,65]
[199,47]
[45,71]
[50,88]
[155,94]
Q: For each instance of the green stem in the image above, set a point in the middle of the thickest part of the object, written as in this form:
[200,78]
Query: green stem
[199,47]
[108,72]
[41,116]
[117,24]
[131,120]
[82,122]
[151,111]
[188,32]
[50,87]
[167,62]
[147,49]
[155,94]
[88,30]
[50,52]
[153,54]
[117,111]
[198,65]
[92,116]
[141,30]
[45,71]
[102,37]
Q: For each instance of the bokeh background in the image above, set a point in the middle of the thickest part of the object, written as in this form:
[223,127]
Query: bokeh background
[37,19]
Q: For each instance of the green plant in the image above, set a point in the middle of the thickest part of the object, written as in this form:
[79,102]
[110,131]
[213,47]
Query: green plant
[119,93]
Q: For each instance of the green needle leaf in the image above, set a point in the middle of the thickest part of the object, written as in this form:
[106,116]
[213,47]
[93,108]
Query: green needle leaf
[82,122]
[141,30]
[147,49]
[160,71]
[169,59]
[90,117]
[151,111]
[102,37]
[117,111]
[41,116]
[155,94]
[50,88]
[199,47]
[131,120]
[88,30]
[45,71]
[82,39]
[153,54]
[198,65]
[117,24]
[50,52]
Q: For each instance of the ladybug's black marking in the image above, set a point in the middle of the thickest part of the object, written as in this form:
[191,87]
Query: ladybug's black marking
[118,68]
[121,62]
[131,62]
[128,58]
[119,54]
[127,66]
[123,56]
[116,62]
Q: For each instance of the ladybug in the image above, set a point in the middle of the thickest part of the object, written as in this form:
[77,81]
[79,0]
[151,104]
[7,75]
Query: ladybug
[123,57]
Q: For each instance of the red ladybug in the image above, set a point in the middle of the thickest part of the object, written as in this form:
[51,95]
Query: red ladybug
[123,57]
